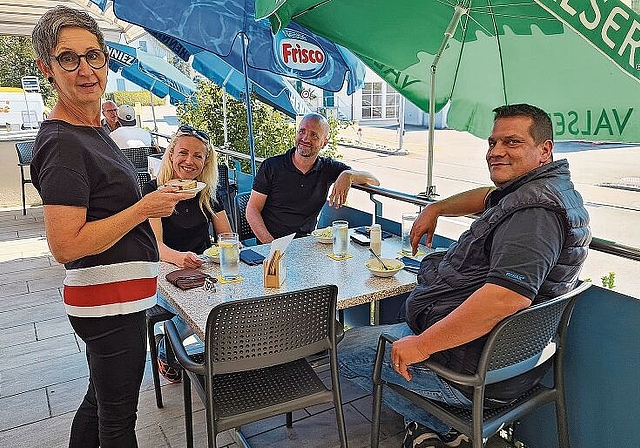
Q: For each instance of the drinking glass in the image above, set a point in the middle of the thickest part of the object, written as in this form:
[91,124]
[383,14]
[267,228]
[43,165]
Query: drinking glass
[340,238]
[407,222]
[229,255]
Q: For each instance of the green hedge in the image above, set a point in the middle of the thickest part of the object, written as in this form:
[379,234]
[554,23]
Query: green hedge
[133,97]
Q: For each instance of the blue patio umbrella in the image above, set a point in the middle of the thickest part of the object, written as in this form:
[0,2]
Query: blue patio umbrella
[149,72]
[228,28]
[270,88]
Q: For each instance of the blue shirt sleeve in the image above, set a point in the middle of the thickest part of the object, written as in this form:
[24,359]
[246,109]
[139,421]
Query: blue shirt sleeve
[524,249]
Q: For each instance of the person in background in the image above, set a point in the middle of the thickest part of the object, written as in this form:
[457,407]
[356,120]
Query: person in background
[110,113]
[528,245]
[129,134]
[186,233]
[96,223]
[290,189]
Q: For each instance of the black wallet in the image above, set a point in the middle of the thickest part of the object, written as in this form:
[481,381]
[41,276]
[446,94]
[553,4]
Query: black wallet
[364,230]
[251,257]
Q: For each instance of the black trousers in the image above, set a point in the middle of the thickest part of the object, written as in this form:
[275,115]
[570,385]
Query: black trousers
[116,352]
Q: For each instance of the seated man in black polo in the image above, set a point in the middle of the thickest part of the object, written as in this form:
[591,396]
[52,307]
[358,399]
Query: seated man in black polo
[290,189]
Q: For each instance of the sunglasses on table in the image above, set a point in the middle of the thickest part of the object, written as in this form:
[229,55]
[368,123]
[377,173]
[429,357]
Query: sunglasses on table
[70,60]
[190,130]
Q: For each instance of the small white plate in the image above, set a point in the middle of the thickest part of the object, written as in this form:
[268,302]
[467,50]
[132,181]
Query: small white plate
[213,254]
[378,270]
[324,236]
[199,187]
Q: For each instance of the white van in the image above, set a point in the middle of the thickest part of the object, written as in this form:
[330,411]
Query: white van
[19,110]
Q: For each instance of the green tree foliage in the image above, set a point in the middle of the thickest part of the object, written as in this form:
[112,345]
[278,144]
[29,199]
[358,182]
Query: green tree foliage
[274,132]
[17,59]
[131,97]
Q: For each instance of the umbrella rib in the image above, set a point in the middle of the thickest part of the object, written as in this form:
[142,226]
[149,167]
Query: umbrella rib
[498,43]
[310,8]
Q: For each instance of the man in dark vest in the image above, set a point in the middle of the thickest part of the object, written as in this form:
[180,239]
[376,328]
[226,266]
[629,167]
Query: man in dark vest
[528,245]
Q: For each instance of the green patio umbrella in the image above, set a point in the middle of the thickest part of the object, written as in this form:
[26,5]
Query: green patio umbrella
[483,54]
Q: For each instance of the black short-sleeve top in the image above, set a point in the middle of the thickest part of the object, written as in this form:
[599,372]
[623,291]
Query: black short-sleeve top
[294,199]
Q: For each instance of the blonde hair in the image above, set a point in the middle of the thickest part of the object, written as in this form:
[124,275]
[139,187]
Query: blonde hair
[209,174]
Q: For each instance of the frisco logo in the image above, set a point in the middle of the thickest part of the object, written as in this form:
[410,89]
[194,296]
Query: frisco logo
[297,52]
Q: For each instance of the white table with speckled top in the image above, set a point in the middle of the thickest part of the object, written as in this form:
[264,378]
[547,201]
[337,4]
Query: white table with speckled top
[307,265]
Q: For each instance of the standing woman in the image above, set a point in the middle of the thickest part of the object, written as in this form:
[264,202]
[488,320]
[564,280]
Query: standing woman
[97,225]
[185,234]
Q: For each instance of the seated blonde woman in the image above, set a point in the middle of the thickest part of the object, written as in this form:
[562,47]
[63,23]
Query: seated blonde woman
[185,234]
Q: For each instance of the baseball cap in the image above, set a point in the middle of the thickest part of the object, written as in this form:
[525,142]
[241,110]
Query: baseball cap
[126,115]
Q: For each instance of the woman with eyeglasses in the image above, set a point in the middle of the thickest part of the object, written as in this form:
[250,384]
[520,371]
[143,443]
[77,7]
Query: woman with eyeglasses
[96,222]
[185,234]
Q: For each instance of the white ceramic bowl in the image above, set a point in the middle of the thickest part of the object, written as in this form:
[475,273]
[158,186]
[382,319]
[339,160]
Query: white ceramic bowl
[324,236]
[378,270]
[213,253]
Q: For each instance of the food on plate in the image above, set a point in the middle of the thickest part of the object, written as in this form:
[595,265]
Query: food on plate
[182,184]
[327,232]
[213,251]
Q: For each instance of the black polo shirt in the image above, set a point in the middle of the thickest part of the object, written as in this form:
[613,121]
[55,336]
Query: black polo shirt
[294,200]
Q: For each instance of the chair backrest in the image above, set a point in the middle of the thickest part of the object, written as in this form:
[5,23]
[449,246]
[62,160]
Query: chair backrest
[25,152]
[527,338]
[266,331]
[138,156]
[143,178]
[242,225]
[223,178]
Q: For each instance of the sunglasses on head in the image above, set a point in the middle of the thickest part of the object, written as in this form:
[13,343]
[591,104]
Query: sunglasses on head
[190,130]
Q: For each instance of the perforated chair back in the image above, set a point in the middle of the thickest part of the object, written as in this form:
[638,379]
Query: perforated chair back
[516,345]
[281,328]
[143,178]
[242,225]
[138,156]
[25,155]
[226,192]
[255,363]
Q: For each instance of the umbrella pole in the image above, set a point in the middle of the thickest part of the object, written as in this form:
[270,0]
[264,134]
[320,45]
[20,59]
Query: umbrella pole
[458,12]
[224,117]
[247,98]
[153,112]
[401,124]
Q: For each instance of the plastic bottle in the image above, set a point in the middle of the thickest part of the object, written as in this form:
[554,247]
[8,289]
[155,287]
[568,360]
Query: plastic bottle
[375,235]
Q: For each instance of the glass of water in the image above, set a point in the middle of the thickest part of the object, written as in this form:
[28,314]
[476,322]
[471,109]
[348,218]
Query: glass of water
[340,231]
[229,255]
[407,223]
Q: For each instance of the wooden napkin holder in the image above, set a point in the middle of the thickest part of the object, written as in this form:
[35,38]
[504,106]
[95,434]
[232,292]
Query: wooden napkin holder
[274,270]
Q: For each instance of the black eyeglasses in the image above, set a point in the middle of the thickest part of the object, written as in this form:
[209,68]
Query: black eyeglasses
[70,60]
[190,130]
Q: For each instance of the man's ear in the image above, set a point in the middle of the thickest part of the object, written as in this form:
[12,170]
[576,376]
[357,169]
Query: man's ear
[546,154]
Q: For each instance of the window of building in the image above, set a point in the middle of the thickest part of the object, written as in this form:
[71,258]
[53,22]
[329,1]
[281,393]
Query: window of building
[120,84]
[392,103]
[142,45]
[328,99]
[372,100]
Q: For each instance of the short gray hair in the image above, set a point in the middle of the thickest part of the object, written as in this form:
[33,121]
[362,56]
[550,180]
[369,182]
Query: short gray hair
[46,32]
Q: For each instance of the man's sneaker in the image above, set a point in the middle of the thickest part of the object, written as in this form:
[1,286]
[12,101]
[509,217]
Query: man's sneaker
[419,436]
[170,373]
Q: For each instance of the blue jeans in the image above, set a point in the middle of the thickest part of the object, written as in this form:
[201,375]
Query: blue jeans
[356,357]
[184,330]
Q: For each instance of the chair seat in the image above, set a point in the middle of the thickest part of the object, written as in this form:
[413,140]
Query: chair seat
[242,397]
[158,313]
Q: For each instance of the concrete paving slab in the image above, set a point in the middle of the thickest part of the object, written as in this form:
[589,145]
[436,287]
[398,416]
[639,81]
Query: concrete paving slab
[20,269]
[41,374]
[36,313]
[19,334]
[48,433]
[12,409]
[38,351]
[54,327]
[66,396]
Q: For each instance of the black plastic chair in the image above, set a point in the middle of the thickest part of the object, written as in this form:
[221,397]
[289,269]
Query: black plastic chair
[254,365]
[138,156]
[242,225]
[516,345]
[226,191]
[143,178]
[25,154]
[156,314]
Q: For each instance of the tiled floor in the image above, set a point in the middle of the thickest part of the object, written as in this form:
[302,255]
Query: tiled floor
[43,371]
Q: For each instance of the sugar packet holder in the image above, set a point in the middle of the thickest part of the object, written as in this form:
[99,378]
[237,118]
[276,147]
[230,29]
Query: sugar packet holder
[274,270]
